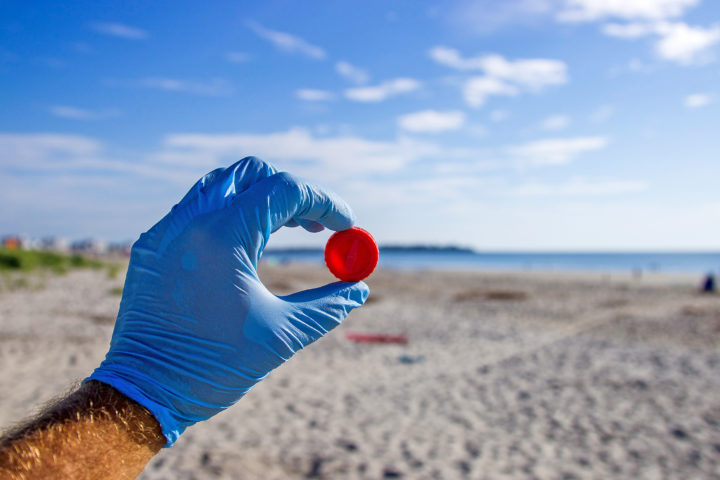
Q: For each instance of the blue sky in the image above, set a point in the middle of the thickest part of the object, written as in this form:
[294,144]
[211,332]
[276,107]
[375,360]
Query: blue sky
[513,125]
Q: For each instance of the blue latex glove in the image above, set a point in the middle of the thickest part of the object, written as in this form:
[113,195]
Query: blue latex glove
[196,327]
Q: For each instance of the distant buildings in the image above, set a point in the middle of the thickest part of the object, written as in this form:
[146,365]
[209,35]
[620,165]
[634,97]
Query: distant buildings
[21,242]
[12,242]
[122,249]
[55,244]
[90,246]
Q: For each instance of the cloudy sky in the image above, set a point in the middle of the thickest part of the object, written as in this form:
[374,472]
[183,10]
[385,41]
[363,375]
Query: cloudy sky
[502,125]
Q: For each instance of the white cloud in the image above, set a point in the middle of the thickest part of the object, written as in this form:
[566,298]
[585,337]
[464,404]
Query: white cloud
[599,213]
[534,73]
[452,58]
[237,57]
[582,187]
[432,121]
[314,95]
[445,189]
[344,157]
[684,44]
[313,154]
[287,42]
[591,10]
[30,150]
[58,154]
[119,30]
[212,87]
[555,122]
[675,41]
[65,111]
[698,100]
[488,16]
[381,92]
[86,190]
[502,76]
[351,72]
[478,89]
[555,151]
[320,157]
[628,30]
[68,185]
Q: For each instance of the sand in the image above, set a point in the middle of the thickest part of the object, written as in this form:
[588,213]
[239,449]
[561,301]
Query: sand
[505,375]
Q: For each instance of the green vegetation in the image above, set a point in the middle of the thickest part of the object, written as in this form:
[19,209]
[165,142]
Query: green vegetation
[116,291]
[28,260]
[113,269]
[28,269]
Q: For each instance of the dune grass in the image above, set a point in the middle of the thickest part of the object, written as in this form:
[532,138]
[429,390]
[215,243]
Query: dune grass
[28,269]
[116,291]
[29,260]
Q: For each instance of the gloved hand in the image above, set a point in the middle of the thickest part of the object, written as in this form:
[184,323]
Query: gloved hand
[196,327]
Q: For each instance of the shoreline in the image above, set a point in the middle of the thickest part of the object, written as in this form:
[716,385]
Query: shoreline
[654,277]
[439,266]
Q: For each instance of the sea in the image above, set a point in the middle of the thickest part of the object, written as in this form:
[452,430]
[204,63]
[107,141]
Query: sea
[634,262]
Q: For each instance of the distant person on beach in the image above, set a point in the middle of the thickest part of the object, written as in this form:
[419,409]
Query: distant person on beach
[708,285]
[196,327]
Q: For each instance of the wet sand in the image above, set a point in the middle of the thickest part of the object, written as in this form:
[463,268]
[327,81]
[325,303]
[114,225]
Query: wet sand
[505,375]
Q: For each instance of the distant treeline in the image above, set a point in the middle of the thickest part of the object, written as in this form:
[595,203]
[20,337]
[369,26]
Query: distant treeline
[383,248]
[425,248]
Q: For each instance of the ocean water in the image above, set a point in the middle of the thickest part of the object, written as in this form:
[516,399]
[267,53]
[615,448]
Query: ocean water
[699,263]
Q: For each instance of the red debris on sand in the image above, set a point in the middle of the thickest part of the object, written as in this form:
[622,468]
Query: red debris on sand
[376,338]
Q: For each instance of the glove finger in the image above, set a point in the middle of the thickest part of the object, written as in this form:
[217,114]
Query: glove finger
[217,188]
[241,175]
[319,310]
[273,202]
[309,225]
[286,197]
[320,205]
[180,215]
[206,179]
[212,192]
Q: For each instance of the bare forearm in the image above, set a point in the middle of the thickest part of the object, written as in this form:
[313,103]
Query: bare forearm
[96,432]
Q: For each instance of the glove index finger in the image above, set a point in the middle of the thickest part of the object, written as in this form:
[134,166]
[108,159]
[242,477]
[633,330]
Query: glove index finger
[324,207]
[283,199]
[307,203]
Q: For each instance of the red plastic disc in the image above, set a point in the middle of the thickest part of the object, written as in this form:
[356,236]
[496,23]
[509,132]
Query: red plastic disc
[351,255]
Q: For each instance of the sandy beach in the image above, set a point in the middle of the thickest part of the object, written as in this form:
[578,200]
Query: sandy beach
[505,375]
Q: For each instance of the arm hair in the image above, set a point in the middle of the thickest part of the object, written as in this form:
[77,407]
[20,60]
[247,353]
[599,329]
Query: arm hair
[94,432]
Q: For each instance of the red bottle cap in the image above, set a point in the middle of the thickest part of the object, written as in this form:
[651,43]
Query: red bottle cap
[351,255]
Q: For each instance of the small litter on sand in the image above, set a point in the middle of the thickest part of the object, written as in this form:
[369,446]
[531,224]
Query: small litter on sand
[479,294]
[376,338]
[411,359]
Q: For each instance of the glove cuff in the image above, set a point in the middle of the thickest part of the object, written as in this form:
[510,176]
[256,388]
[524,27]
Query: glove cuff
[117,377]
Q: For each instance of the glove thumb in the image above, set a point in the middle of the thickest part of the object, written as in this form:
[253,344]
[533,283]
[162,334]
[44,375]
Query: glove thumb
[324,308]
